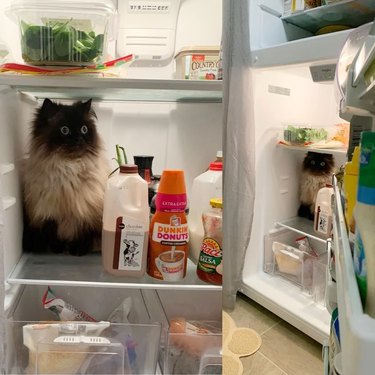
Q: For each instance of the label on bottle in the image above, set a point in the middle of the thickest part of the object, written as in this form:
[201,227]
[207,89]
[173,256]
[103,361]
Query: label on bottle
[210,256]
[129,243]
[170,202]
[172,234]
[322,222]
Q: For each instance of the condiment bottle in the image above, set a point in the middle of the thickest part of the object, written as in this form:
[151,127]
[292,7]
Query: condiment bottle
[169,232]
[350,188]
[364,212]
[125,223]
[205,186]
[209,267]
[144,163]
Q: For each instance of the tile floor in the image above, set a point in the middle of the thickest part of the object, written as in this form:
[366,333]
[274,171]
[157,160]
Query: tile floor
[284,350]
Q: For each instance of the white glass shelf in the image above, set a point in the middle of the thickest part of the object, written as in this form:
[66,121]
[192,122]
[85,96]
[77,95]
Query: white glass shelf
[115,89]
[302,226]
[315,149]
[352,13]
[306,50]
[54,269]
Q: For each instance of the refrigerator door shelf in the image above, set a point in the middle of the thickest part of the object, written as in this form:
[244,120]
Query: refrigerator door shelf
[53,269]
[357,329]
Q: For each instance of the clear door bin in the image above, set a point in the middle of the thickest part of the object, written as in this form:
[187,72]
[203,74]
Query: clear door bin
[125,340]
[193,337]
[320,280]
[282,258]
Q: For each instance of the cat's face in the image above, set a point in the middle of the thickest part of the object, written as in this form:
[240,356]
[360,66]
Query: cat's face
[66,129]
[318,163]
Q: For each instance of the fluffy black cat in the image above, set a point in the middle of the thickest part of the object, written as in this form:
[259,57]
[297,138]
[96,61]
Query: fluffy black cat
[317,171]
[64,180]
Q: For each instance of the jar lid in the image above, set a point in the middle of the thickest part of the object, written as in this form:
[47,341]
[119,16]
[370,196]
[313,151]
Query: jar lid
[216,166]
[129,168]
[216,202]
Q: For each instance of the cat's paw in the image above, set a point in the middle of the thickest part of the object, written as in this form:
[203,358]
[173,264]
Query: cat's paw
[304,211]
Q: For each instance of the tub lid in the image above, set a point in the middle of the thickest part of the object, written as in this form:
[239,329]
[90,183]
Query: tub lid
[64,5]
[197,50]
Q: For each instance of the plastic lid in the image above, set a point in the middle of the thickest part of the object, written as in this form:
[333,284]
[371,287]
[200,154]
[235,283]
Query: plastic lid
[216,166]
[129,168]
[172,182]
[64,5]
[216,202]
[219,154]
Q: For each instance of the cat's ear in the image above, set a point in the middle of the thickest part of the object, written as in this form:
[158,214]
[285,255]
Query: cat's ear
[48,107]
[86,106]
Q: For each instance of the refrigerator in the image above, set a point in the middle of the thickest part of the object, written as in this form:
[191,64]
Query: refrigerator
[283,71]
[148,112]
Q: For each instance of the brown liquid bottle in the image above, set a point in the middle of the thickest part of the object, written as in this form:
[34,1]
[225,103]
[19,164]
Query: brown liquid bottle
[169,232]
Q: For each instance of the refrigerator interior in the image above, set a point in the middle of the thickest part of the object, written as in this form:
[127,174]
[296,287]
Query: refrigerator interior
[286,96]
[176,122]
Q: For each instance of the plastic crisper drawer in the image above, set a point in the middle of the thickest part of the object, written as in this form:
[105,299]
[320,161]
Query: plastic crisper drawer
[357,329]
[194,339]
[38,344]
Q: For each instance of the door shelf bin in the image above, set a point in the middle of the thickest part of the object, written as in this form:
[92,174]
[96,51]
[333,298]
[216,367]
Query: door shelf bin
[282,258]
[187,351]
[127,345]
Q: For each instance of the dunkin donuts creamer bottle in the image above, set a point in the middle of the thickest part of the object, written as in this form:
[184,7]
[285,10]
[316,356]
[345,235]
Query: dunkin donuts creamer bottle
[169,232]
[125,223]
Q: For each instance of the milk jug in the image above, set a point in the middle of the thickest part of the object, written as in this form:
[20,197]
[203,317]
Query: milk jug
[323,211]
[125,223]
[206,186]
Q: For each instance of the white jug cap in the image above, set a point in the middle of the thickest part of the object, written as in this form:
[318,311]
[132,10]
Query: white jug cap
[219,154]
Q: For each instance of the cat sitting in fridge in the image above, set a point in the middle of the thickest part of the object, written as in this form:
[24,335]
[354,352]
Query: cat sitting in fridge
[317,171]
[64,179]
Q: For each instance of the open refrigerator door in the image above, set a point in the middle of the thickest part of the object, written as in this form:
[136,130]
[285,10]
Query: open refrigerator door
[353,352]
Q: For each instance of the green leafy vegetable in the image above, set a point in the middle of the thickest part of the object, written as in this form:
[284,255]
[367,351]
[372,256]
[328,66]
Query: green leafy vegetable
[304,135]
[59,42]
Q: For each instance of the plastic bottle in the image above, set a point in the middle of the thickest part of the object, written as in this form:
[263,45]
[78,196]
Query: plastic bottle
[350,188]
[209,267]
[205,186]
[169,231]
[125,223]
[364,249]
[323,211]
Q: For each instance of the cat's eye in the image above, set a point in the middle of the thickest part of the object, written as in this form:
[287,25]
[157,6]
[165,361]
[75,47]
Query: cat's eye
[64,130]
[322,164]
[84,129]
[312,162]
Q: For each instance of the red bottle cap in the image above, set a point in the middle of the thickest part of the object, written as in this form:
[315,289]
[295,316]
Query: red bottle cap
[216,166]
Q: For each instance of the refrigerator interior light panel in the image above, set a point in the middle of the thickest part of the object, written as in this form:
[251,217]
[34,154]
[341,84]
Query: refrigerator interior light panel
[147,29]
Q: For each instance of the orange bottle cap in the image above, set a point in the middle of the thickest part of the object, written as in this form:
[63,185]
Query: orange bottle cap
[172,182]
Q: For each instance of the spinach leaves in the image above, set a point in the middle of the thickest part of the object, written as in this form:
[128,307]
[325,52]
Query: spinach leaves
[59,41]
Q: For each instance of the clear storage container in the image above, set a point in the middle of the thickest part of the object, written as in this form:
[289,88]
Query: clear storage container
[193,340]
[65,32]
[283,258]
[125,341]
